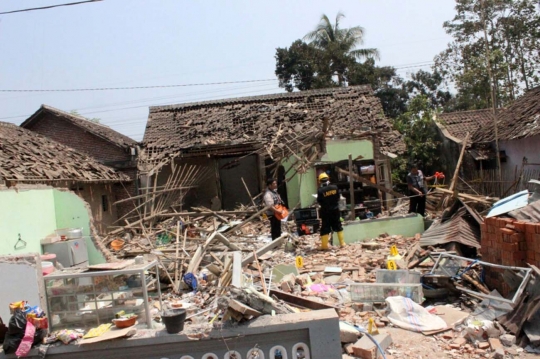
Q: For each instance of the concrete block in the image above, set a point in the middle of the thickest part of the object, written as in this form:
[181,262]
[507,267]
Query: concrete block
[495,344]
[366,349]
[348,333]
[349,348]
[483,345]
[499,354]
[507,340]
[460,341]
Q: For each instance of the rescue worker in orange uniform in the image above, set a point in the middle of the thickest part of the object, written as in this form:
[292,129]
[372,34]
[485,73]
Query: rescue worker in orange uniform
[328,199]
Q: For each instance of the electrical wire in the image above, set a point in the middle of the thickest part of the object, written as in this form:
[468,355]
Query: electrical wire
[48,7]
[137,87]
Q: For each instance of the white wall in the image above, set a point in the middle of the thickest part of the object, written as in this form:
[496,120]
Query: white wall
[21,280]
[517,149]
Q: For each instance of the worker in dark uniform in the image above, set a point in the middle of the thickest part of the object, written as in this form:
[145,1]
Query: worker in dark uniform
[328,199]
[416,182]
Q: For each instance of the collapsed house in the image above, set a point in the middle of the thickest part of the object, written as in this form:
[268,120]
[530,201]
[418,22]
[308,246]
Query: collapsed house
[239,142]
[96,140]
[27,158]
[453,128]
[518,133]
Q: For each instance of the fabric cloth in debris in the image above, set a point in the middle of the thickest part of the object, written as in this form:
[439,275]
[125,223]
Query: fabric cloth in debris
[27,341]
[406,314]
[328,198]
[191,280]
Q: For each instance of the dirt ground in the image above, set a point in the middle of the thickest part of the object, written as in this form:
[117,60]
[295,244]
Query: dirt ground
[411,345]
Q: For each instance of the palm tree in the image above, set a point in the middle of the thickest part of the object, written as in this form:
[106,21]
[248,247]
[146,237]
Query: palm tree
[339,44]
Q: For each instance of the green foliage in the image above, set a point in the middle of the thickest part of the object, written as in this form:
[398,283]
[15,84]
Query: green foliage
[419,134]
[303,67]
[512,29]
[323,62]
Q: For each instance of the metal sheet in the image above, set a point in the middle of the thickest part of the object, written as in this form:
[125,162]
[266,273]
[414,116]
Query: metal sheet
[530,213]
[508,204]
[456,229]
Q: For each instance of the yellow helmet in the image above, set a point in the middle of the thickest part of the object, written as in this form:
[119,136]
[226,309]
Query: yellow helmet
[323,177]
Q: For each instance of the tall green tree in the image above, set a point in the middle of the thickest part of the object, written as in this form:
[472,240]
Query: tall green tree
[324,58]
[419,133]
[502,33]
[339,45]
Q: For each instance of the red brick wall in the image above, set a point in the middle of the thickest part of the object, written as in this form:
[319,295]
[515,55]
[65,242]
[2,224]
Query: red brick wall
[75,137]
[120,193]
[511,243]
[65,132]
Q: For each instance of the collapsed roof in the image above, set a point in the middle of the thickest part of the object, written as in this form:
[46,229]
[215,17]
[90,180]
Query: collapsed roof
[94,128]
[520,120]
[26,156]
[255,120]
[455,125]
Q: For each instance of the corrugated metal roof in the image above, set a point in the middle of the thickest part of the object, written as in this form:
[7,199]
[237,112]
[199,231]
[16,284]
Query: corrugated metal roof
[530,213]
[462,228]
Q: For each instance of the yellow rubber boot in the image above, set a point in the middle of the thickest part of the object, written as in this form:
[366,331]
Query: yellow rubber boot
[341,240]
[324,242]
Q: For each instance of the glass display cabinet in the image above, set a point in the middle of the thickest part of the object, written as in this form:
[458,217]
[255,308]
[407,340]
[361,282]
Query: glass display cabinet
[86,298]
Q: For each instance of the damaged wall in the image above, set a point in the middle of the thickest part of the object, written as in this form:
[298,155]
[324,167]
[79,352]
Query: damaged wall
[100,197]
[511,243]
[302,186]
[71,212]
[207,186]
[22,279]
[29,213]
[339,150]
[36,213]
[407,226]
[517,149]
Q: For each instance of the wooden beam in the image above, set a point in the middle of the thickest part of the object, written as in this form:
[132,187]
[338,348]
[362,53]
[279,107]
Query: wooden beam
[237,270]
[221,238]
[275,243]
[351,189]
[240,225]
[460,160]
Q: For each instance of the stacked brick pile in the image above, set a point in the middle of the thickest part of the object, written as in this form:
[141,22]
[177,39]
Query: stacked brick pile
[508,242]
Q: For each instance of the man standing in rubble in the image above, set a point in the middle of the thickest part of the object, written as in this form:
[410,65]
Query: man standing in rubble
[272,199]
[328,199]
[416,183]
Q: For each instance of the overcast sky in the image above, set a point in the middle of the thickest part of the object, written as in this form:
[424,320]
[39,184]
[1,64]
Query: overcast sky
[123,43]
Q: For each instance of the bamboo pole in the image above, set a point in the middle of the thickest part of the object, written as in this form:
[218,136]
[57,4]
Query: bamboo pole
[351,189]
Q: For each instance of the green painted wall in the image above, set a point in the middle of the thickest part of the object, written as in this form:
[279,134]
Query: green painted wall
[37,213]
[28,212]
[339,150]
[71,212]
[302,186]
[308,187]
[367,229]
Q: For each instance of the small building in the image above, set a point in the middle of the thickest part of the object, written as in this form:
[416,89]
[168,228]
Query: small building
[240,142]
[453,128]
[96,140]
[30,159]
[518,132]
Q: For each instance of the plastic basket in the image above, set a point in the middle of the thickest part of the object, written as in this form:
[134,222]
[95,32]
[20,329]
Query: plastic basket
[397,276]
[378,292]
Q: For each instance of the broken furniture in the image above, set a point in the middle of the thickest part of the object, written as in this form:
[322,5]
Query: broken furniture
[84,298]
[457,267]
